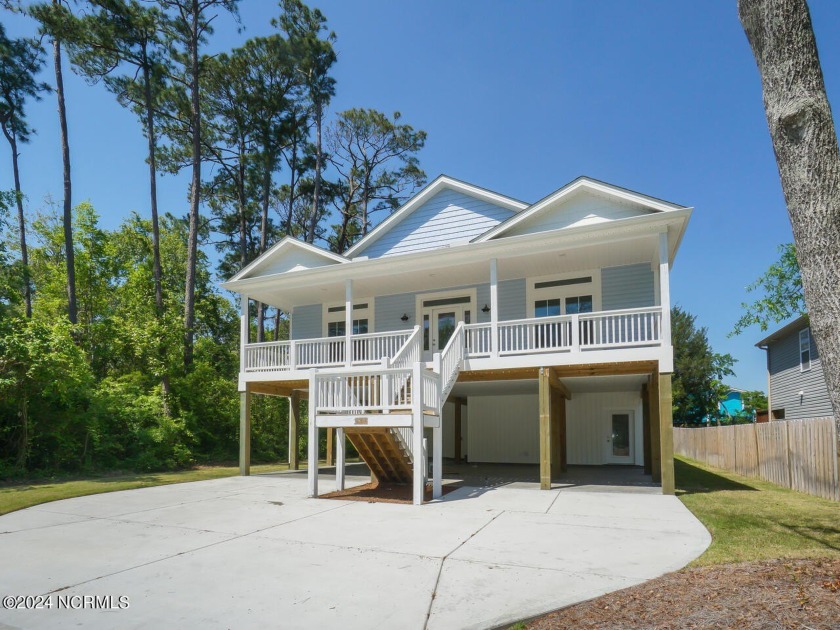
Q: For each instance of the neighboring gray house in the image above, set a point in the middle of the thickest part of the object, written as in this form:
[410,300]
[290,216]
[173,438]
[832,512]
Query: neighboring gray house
[795,380]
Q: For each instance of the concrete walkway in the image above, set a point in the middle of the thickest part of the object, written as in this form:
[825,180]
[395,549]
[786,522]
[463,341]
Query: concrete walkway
[253,552]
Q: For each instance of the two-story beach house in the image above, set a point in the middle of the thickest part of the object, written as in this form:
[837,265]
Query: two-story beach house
[472,325]
[796,386]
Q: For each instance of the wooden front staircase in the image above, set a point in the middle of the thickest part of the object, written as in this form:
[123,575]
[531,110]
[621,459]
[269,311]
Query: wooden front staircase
[382,450]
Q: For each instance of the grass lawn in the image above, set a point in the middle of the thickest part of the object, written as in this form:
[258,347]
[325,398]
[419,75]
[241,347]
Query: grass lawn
[751,519]
[19,495]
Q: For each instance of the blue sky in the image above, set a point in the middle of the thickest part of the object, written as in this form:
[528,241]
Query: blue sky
[521,97]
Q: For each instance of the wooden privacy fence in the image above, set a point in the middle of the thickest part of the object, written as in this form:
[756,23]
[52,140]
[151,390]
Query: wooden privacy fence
[797,454]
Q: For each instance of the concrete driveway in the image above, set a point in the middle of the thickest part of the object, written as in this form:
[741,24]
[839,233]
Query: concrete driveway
[254,552]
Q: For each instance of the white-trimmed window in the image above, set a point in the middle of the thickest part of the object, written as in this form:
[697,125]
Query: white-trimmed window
[335,324]
[572,293]
[805,350]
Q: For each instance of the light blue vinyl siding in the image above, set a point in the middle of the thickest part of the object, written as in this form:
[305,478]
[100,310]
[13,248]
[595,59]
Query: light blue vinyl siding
[306,322]
[511,300]
[388,309]
[787,379]
[628,286]
[448,217]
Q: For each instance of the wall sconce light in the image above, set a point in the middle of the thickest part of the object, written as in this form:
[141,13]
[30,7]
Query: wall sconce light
[485,309]
[404,317]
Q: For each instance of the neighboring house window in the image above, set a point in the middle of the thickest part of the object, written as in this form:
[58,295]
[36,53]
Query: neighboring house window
[805,350]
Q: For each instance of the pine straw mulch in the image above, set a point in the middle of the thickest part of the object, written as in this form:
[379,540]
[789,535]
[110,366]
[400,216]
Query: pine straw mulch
[761,594]
[383,493]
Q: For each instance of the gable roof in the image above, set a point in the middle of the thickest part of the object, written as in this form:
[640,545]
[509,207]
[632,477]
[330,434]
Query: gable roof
[440,183]
[286,247]
[578,184]
[796,325]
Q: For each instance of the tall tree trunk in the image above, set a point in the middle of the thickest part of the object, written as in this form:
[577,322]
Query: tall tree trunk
[290,217]
[805,143]
[68,204]
[156,267]
[195,190]
[316,195]
[266,198]
[24,252]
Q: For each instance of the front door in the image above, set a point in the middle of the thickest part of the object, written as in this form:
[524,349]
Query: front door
[620,441]
[438,326]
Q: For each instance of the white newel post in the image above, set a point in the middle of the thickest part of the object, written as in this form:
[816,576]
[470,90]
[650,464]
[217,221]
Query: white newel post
[575,323]
[665,289]
[244,331]
[385,387]
[417,433]
[348,322]
[339,459]
[312,442]
[494,308]
[437,459]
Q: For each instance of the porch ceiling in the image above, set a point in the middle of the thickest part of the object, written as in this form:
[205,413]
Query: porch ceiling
[440,273]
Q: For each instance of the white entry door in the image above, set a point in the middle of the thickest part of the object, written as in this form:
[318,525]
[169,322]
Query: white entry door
[620,440]
[438,325]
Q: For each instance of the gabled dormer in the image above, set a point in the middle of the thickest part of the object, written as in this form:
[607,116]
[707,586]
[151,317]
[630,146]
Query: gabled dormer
[288,255]
[446,212]
[584,201]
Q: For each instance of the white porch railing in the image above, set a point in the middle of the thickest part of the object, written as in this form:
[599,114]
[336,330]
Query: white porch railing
[568,333]
[449,362]
[367,349]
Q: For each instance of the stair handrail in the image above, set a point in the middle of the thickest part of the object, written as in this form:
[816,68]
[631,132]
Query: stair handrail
[449,362]
[409,354]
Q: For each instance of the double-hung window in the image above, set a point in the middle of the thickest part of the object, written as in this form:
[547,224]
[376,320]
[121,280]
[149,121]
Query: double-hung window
[805,350]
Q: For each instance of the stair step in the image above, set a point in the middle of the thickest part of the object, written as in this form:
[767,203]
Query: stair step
[382,451]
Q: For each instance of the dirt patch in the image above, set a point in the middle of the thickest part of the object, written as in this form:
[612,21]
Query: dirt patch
[769,594]
[383,493]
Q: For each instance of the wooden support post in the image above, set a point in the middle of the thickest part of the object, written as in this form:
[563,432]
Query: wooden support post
[545,429]
[245,433]
[646,428]
[666,434]
[340,444]
[294,427]
[655,449]
[330,447]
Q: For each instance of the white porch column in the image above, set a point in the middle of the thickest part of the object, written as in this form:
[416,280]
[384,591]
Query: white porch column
[312,441]
[418,482]
[494,308]
[339,459]
[348,322]
[244,330]
[665,289]
[437,461]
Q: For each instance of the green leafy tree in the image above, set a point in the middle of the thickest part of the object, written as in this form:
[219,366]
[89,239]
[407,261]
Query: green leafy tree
[54,28]
[376,159]
[316,55]
[20,60]
[698,370]
[186,31]
[754,400]
[780,290]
